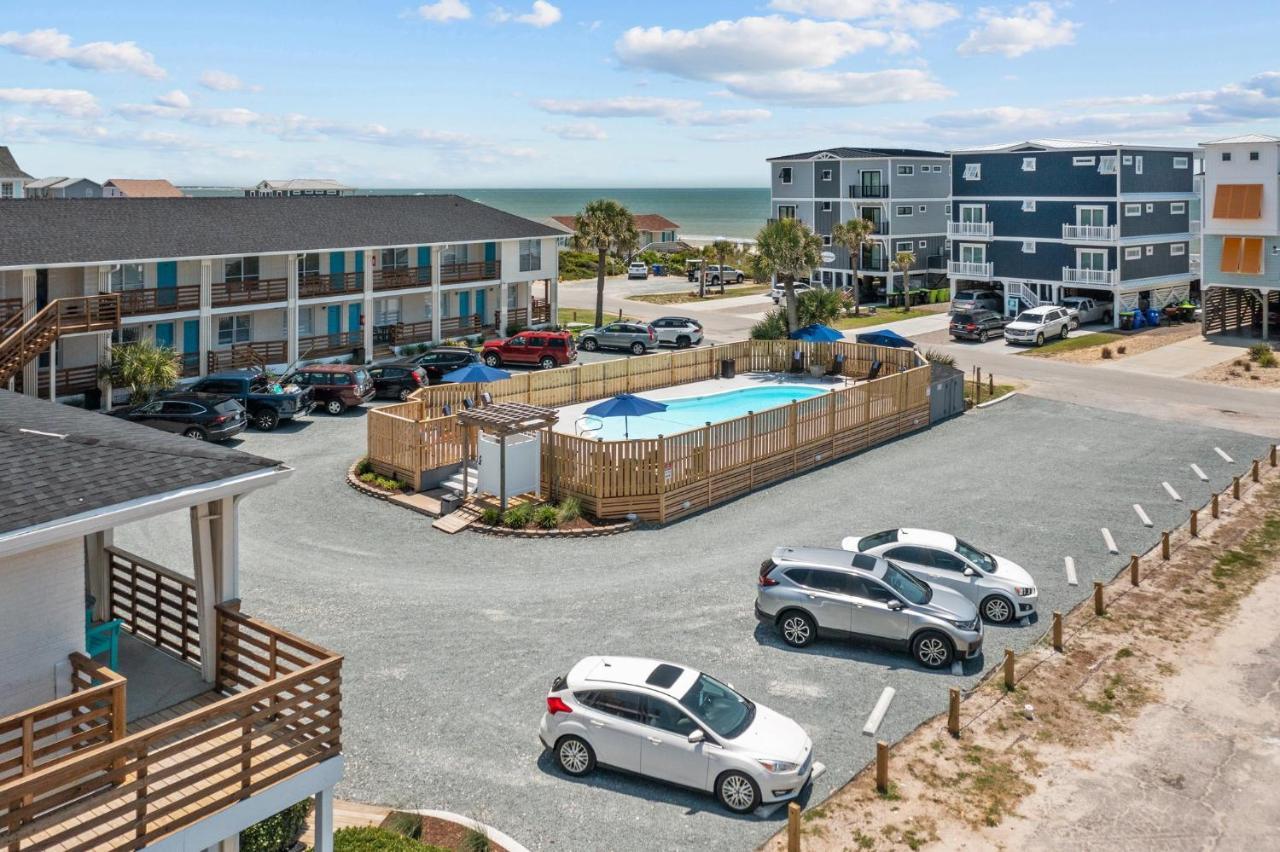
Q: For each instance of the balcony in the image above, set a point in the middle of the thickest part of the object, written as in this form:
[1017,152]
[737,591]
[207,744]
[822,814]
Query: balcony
[969,230]
[398,279]
[860,191]
[125,761]
[319,286]
[1093,277]
[1090,233]
[969,269]
[71,380]
[254,292]
[476,270]
[160,300]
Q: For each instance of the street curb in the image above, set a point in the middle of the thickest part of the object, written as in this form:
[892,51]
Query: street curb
[593,532]
[507,842]
[353,479]
[991,402]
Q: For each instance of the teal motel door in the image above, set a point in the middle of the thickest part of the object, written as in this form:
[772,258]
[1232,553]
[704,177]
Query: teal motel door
[464,306]
[490,255]
[353,320]
[424,264]
[167,287]
[337,268]
[335,324]
[484,318]
[164,335]
[191,343]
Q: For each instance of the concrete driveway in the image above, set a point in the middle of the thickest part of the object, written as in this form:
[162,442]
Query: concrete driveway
[452,642]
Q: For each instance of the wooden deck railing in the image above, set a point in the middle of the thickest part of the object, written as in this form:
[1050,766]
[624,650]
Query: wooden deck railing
[462,326]
[541,312]
[256,354]
[476,270]
[262,290]
[311,286]
[399,278]
[22,339]
[70,380]
[155,604]
[159,300]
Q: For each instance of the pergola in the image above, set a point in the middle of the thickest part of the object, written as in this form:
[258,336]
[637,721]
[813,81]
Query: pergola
[502,420]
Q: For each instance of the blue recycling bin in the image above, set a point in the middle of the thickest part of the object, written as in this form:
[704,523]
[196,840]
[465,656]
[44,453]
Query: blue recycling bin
[1153,317]
[1139,319]
[659,269]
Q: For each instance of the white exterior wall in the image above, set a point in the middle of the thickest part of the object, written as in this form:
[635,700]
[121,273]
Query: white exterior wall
[42,610]
[1243,170]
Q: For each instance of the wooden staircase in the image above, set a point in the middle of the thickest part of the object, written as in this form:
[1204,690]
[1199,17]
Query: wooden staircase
[22,340]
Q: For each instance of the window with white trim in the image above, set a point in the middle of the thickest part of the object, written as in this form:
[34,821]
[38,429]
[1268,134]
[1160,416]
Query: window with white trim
[530,255]
[786,211]
[7,189]
[784,174]
[1127,159]
[973,171]
[970,253]
[922,244]
[1107,165]
[937,170]
[1137,164]
[1151,250]
[235,328]
[1028,246]
[1151,208]
[308,265]
[826,239]
[1028,164]
[906,171]
[1177,249]
[924,208]
[1028,205]
[306,327]
[1084,161]
[128,276]
[1177,207]
[904,210]
[1180,162]
[1133,210]
[395,258]
[903,245]
[386,311]
[1092,217]
[826,207]
[240,269]
[947,209]
[826,175]
[1133,253]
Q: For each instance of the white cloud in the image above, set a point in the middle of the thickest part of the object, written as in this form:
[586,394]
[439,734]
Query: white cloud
[835,89]
[76,103]
[444,11]
[1035,26]
[177,99]
[543,14]
[52,45]
[921,15]
[676,111]
[583,131]
[1254,99]
[225,81]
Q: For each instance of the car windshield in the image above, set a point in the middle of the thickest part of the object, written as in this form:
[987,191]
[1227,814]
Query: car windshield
[1031,319]
[985,561]
[908,587]
[719,707]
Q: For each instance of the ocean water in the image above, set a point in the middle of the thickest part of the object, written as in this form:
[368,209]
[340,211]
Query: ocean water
[732,212]
[691,412]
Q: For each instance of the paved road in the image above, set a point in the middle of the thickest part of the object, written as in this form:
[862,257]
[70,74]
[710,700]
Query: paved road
[451,642]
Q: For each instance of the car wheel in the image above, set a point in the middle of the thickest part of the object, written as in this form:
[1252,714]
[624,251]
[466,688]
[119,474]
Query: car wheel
[266,420]
[932,650]
[491,359]
[739,279]
[194,433]
[982,336]
[715,281]
[637,349]
[1075,323]
[590,344]
[1040,339]
[404,394]
[797,628]
[737,792]
[335,407]
[1107,317]
[574,756]
[683,341]
[997,610]
[547,362]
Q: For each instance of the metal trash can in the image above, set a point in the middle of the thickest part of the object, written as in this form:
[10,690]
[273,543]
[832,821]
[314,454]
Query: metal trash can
[728,368]
[93,399]
[357,355]
[450,502]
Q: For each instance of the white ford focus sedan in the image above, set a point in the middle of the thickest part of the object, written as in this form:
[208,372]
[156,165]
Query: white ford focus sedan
[678,725]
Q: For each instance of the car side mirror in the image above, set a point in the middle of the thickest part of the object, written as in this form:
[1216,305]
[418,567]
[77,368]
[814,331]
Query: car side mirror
[969,572]
[894,605]
[697,735]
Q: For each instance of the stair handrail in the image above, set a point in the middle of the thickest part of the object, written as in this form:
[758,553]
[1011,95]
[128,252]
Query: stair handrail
[51,314]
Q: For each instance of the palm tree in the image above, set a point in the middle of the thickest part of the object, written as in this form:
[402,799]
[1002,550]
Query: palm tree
[819,306]
[721,249]
[903,261]
[853,235]
[143,367]
[604,226]
[707,253]
[788,249]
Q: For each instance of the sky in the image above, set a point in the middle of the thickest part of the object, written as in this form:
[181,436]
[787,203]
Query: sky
[545,93]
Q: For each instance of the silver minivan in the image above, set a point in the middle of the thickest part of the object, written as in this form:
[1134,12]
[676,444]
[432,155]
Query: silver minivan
[807,592]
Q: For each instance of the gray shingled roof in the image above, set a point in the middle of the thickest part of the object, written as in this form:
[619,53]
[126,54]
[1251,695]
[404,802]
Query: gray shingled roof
[9,166]
[855,153]
[100,461]
[101,230]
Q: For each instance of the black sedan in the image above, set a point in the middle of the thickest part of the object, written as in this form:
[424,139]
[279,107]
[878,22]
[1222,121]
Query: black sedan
[977,325]
[397,379]
[444,359]
[202,416]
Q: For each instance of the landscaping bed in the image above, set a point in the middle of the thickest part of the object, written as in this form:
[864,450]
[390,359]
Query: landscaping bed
[361,477]
[1260,369]
[542,520]
[1091,347]
[684,297]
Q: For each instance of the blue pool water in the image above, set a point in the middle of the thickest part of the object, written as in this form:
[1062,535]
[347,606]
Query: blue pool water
[692,412]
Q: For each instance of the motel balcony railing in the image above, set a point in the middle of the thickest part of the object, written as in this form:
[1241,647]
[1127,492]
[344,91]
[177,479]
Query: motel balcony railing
[250,292]
[1105,277]
[476,270]
[969,269]
[401,278]
[969,230]
[160,300]
[1091,233]
[857,190]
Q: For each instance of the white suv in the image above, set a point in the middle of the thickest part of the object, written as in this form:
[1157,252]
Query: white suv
[677,725]
[1037,324]
[637,269]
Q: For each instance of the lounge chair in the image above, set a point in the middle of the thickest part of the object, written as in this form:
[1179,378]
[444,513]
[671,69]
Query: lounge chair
[837,365]
[446,409]
[797,362]
[468,403]
[874,371]
[104,638]
[486,399]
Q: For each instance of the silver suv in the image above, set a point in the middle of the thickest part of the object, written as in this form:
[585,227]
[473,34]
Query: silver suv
[680,332]
[806,592]
[635,337]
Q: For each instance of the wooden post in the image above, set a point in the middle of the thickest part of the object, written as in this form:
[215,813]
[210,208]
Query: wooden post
[795,430]
[1133,568]
[1254,471]
[1195,523]
[1213,511]
[793,827]
[1235,488]
[751,450]
[953,713]
[977,387]
[1099,605]
[1164,548]
[1273,455]
[882,766]
[599,477]
[1009,682]
[1057,632]
[706,445]
[991,385]
[662,480]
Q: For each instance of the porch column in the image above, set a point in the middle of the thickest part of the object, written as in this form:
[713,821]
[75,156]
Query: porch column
[322,820]
[206,596]
[97,569]
[291,310]
[53,371]
[1115,309]
[502,307]
[104,341]
[553,281]
[225,537]
[1265,309]
[435,294]
[207,335]
[30,370]
[367,305]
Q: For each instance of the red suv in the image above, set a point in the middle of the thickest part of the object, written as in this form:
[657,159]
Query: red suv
[547,349]
[337,386]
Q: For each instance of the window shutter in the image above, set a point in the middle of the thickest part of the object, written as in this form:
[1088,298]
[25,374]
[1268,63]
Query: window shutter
[1230,253]
[1251,256]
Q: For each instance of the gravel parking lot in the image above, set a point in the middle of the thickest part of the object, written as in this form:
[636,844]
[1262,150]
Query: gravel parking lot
[452,642]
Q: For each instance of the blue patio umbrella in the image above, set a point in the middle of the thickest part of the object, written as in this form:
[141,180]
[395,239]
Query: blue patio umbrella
[888,337]
[625,405]
[817,333]
[475,373]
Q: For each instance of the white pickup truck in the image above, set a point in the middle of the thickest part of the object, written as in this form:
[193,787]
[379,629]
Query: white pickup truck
[1083,309]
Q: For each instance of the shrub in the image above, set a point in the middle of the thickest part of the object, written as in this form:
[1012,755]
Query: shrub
[570,509]
[546,517]
[773,326]
[933,356]
[1106,353]
[367,838]
[1248,367]
[409,825]
[819,306]
[1258,350]
[363,466]
[475,841]
[491,516]
[1268,359]
[382,482]
[518,517]
[278,832]
[513,329]
[1122,349]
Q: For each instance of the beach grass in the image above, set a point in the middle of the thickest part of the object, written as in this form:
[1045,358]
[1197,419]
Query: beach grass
[881,317]
[685,297]
[1071,344]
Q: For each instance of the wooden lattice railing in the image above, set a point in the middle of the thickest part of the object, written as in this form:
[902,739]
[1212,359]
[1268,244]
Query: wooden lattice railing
[155,604]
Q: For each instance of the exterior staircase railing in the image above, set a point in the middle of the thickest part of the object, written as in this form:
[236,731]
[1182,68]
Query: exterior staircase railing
[22,340]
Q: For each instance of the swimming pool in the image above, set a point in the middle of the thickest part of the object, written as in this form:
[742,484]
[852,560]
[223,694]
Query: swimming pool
[690,412]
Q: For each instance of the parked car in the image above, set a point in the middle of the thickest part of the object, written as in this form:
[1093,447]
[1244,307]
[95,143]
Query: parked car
[266,400]
[202,416]
[779,291]
[637,269]
[692,269]
[1034,325]
[444,359]
[976,324]
[634,337]
[1001,589]
[397,379]
[806,592]
[972,300]
[545,349]
[716,274]
[1083,309]
[677,725]
[680,332]
[337,386]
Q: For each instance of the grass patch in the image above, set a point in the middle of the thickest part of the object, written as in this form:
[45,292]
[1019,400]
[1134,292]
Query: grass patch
[685,297]
[970,392]
[880,318]
[1072,344]
[564,316]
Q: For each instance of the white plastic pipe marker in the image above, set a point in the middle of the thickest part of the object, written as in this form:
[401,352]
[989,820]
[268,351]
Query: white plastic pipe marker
[877,713]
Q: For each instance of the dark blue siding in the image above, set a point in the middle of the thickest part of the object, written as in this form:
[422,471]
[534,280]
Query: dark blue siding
[1159,262]
[1158,173]
[826,188]
[1158,221]
[1010,262]
[1008,219]
[1002,175]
